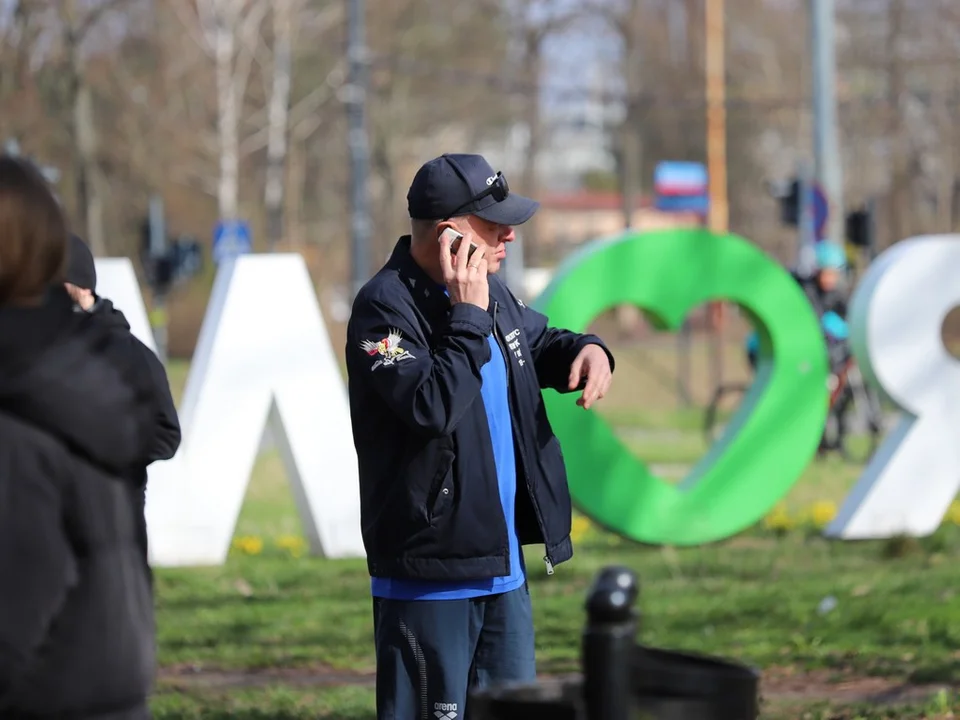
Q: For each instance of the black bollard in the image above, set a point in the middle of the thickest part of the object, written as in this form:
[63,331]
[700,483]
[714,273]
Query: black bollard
[608,644]
[547,700]
[671,685]
[623,680]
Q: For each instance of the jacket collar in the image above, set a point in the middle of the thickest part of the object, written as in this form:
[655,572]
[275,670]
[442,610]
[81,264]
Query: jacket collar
[426,294]
[430,297]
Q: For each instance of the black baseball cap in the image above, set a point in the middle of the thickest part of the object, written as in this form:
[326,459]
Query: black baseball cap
[459,184]
[81,269]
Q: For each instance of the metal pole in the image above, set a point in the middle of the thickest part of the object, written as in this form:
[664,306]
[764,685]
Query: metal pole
[608,646]
[871,209]
[715,34]
[826,133]
[357,139]
[158,249]
[716,116]
[806,253]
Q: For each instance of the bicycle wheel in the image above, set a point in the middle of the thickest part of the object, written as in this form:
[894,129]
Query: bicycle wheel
[859,448]
[717,413]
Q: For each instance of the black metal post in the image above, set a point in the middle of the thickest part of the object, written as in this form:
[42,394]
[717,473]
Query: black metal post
[608,642]
[356,98]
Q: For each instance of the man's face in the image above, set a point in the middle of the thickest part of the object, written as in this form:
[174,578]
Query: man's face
[829,279]
[81,296]
[493,237]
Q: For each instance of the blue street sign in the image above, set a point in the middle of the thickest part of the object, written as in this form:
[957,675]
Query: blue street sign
[231,238]
[681,187]
[821,211]
[697,204]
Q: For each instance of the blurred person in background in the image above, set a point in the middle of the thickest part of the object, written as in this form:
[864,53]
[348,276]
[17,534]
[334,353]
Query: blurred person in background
[77,637]
[459,467]
[825,289]
[81,285]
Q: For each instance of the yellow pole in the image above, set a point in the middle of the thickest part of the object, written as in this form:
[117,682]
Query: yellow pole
[716,116]
[719,217]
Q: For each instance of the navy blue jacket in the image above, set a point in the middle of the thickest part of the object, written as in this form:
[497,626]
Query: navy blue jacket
[430,503]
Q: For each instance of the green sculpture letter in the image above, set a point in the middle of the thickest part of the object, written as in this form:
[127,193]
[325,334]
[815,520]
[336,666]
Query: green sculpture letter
[772,436]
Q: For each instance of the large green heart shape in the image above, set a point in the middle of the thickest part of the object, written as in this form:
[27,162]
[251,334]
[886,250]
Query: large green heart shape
[771,437]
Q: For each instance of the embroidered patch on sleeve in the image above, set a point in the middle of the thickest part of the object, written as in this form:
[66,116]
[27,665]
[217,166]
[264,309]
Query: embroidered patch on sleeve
[388,349]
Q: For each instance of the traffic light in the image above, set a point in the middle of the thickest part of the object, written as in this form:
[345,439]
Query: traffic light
[858,228]
[145,237]
[163,273]
[790,205]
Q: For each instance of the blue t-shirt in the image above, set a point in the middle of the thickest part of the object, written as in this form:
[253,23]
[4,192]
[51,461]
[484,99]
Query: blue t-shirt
[494,393]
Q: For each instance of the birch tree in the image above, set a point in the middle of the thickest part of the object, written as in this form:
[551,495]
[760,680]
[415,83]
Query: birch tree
[279,112]
[281,117]
[533,22]
[78,20]
[228,31]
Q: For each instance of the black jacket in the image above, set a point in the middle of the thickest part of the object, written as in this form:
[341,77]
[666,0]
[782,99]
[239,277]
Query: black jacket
[140,359]
[823,301]
[78,418]
[167,438]
[430,503]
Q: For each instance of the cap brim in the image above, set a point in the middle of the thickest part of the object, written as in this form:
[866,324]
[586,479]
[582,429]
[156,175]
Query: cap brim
[514,210]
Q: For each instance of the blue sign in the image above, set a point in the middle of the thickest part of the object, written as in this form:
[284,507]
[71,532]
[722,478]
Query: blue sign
[230,239]
[821,211]
[681,187]
[698,204]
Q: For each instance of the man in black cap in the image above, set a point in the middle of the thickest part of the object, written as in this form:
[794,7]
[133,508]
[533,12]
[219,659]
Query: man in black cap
[81,285]
[81,275]
[459,467]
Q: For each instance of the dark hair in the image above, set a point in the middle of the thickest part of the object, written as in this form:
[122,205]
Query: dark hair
[33,232]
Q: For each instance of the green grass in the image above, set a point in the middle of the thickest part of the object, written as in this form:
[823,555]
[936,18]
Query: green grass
[275,703]
[355,703]
[754,598]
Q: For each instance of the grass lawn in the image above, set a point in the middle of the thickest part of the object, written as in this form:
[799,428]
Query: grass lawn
[273,634]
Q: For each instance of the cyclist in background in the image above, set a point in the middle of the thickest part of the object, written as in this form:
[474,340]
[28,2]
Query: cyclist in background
[826,295]
[825,288]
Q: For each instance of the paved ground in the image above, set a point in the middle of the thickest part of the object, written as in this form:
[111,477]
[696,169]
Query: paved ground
[778,684]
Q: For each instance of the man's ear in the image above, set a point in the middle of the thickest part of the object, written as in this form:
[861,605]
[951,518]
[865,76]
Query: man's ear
[441,226]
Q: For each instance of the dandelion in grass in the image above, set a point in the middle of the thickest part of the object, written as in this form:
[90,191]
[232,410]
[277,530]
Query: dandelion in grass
[779,520]
[293,544]
[249,545]
[580,528]
[822,513]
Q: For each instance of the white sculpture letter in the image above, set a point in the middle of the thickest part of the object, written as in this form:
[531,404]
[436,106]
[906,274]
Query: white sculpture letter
[896,317]
[263,355]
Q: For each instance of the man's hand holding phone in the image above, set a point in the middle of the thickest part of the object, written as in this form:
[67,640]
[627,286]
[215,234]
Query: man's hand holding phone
[465,270]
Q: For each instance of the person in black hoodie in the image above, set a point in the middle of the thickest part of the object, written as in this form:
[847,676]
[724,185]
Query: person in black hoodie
[77,636]
[81,285]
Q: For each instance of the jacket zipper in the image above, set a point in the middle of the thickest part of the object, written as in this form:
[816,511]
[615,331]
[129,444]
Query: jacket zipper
[516,441]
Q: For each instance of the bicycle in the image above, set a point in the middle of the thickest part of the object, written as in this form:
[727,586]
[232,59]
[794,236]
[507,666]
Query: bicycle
[849,397]
[725,393]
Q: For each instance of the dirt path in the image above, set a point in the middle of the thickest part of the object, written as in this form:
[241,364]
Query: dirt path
[778,684]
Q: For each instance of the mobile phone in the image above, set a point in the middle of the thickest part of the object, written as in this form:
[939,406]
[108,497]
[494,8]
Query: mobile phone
[455,239]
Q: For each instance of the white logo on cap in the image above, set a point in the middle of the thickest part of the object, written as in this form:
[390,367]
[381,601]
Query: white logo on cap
[491,179]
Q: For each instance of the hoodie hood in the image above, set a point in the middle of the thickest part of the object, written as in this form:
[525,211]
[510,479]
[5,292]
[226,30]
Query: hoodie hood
[62,372]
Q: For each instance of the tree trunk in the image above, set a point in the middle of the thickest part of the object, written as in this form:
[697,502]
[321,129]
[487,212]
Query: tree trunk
[530,185]
[630,156]
[88,170]
[88,202]
[947,136]
[899,198]
[278,120]
[296,172]
[228,120]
